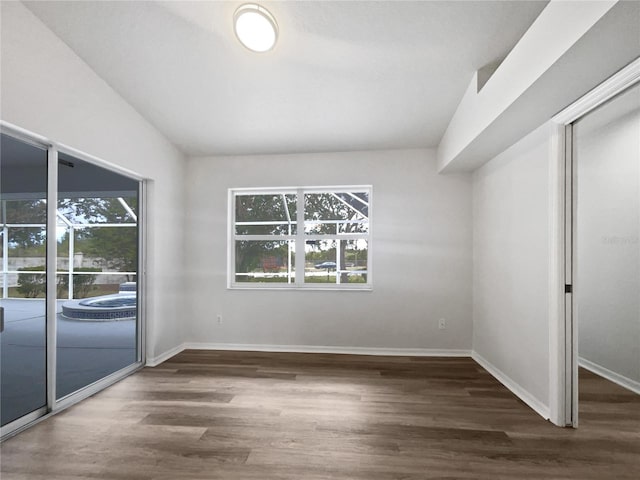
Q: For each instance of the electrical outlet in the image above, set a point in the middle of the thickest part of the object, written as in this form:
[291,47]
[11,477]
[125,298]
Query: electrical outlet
[219,318]
[442,324]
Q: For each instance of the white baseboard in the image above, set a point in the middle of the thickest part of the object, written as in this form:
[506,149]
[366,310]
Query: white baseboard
[539,407]
[158,359]
[610,375]
[251,347]
[409,352]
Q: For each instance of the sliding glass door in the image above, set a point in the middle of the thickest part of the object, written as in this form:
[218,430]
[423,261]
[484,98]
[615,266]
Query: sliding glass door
[23,329]
[97,267]
[70,317]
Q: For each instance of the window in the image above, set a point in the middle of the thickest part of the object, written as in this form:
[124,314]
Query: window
[311,237]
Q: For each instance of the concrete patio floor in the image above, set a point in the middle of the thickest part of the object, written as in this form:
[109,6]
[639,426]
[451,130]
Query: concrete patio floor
[87,352]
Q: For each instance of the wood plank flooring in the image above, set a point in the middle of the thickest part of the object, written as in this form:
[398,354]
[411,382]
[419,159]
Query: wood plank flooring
[246,415]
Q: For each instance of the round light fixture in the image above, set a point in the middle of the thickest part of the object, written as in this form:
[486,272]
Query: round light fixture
[255,27]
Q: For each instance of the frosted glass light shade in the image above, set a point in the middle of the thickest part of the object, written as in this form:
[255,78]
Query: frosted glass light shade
[255,27]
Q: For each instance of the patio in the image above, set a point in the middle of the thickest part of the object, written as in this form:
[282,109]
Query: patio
[87,351]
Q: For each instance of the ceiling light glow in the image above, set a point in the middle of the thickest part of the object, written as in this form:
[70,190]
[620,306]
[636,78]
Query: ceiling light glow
[255,27]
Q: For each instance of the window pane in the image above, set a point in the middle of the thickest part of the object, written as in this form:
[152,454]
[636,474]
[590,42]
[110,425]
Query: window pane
[97,307]
[87,284]
[30,282]
[109,249]
[26,211]
[27,247]
[336,206]
[354,263]
[354,227]
[62,260]
[266,208]
[23,341]
[80,210]
[320,261]
[336,261]
[62,286]
[265,262]
[337,227]
[341,217]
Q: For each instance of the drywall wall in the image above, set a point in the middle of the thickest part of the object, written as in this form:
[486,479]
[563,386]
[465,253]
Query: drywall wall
[47,89]
[549,68]
[421,244]
[608,226]
[511,231]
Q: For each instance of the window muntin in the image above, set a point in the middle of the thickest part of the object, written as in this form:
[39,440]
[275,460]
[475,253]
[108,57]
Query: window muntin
[328,227]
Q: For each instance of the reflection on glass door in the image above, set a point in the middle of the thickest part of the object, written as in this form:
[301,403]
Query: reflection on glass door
[97,263]
[23,218]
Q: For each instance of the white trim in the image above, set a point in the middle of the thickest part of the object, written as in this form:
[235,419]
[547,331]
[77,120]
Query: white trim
[141,274]
[305,287]
[158,359]
[51,320]
[306,188]
[610,375]
[33,138]
[24,135]
[22,423]
[231,232]
[72,225]
[306,236]
[563,388]
[64,272]
[378,351]
[571,326]
[559,414]
[299,246]
[520,392]
[254,347]
[603,92]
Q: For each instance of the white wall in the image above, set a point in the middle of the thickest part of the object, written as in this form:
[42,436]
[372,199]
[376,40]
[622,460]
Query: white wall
[49,90]
[551,66]
[556,30]
[421,256]
[608,225]
[511,231]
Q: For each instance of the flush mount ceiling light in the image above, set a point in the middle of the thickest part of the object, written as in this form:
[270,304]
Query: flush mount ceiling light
[255,27]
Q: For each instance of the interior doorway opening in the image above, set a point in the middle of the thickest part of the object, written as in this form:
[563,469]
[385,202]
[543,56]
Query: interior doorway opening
[599,331]
[606,157]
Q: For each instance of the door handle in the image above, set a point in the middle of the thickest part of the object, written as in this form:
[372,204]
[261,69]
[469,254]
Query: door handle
[1,319]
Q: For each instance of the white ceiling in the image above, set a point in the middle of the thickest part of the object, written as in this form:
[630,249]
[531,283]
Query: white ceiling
[343,76]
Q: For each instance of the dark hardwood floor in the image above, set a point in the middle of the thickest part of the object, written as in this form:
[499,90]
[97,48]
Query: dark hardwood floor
[263,416]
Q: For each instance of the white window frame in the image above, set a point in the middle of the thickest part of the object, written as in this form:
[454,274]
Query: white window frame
[299,239]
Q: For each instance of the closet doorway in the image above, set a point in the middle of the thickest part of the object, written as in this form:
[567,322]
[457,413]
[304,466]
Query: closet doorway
[606,259]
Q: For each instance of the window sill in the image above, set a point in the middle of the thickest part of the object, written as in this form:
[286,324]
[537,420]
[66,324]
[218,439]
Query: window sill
[287,287]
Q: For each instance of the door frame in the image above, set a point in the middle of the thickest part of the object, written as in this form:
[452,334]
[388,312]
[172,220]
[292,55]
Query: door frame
[55,405]
[563,345]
